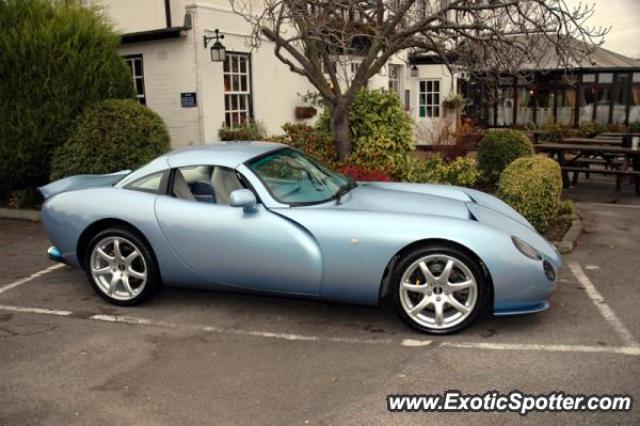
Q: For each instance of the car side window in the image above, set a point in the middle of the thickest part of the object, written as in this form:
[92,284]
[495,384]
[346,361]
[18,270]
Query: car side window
[206,184]
[153,183]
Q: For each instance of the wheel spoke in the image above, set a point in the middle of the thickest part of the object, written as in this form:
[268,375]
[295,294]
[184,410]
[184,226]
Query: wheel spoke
[134,254]
[446,273]
[103,254]
[113,284]
[457,305]
[116,249]
[426,272]
[101,271]
[416,288]
[460,286]
[439,313]
[426,300]
[127,286]
[136,274]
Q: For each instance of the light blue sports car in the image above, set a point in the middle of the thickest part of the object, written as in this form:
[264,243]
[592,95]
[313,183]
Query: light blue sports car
[263,217]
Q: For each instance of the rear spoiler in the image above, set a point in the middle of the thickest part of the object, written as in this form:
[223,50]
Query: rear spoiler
[74,183]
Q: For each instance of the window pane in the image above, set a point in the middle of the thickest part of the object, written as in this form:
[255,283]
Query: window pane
[605,78]
[589,78]
[148,183]
[436,112]
[139,86]
[620,97]
[243,65]
[422,111]
[587,102]
[138,67]
[566,106]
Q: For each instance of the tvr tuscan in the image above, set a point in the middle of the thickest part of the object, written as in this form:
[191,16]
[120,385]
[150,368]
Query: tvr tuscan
[263,217]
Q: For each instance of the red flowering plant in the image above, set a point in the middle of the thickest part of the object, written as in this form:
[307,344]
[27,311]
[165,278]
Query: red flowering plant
[363,174]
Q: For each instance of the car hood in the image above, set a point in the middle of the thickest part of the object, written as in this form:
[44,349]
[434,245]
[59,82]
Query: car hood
[446,201]
[371,197]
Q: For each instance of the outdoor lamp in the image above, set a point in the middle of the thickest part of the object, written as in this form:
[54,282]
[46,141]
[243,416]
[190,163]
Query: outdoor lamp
[414,71]
[218,51]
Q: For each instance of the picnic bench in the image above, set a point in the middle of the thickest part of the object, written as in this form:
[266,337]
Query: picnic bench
[617,160]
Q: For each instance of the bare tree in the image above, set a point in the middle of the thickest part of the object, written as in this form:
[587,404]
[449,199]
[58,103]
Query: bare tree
[321,39]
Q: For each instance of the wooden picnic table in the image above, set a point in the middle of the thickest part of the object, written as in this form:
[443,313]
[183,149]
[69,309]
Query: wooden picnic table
[593,141]
[628,167]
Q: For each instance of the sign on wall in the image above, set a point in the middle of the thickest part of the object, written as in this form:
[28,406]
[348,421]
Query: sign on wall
[188,100]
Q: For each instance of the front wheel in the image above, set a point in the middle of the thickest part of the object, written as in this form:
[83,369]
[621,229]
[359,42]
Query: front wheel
[121,267]
[439,289]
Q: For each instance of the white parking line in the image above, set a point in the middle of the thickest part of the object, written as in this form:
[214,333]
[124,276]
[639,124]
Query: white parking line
[624,350]
[602,306]
[26,310]
[30,277]
[252,333]
[413,343]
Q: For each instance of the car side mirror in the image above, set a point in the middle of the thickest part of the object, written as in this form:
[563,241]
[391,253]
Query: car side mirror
[243,198]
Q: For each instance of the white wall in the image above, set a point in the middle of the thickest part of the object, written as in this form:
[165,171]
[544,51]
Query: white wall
[170,69]
[274,87]
[179,65]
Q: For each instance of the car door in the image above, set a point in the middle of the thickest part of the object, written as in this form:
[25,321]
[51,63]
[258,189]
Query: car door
[247,248]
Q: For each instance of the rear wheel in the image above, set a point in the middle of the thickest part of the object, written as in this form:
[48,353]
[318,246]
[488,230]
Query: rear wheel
[121,267]
[439,289]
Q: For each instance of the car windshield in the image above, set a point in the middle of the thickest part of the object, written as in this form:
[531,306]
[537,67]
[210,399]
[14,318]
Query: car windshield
[293,178]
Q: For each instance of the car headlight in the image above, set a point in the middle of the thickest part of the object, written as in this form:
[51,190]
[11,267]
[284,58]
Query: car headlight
[526,249]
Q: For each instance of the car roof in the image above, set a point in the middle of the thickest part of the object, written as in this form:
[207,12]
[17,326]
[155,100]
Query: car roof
[225,154]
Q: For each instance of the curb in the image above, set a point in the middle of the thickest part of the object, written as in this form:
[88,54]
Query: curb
[568,242]
[20,214]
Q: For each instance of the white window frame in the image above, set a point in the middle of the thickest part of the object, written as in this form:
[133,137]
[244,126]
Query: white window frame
[238,98]
[395,82]
[432,98]
[131,60]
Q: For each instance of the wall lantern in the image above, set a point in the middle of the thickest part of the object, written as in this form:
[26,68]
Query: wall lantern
[218,51]
[414,71]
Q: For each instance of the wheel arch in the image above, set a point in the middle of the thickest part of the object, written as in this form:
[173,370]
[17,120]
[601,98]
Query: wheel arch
[99,226]
[385,283]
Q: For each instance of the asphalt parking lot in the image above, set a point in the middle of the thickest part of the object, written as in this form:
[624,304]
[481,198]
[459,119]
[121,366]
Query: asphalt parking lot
[66,356]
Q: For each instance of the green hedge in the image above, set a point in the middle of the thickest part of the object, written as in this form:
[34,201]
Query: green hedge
[382,132]
[634,127]
[498,149]
[532,186]
[56,58]
[112,135]
[250,131]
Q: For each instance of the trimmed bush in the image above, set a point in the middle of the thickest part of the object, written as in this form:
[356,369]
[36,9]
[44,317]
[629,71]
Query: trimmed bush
[382,132]
[498,149]
[634,127]
[56,58]
[591,130]
[112,135]
[250,131]
[434,169]
[532,186]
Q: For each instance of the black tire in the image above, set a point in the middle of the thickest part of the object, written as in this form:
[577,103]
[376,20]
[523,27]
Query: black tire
[152,283]
[409,258]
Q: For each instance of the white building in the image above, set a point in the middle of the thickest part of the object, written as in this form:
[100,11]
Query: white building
[174,75]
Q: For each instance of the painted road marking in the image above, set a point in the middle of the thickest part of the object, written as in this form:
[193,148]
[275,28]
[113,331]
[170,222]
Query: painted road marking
[41,311]
[624,350]
[412,343]
[602,306]
[30,277]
